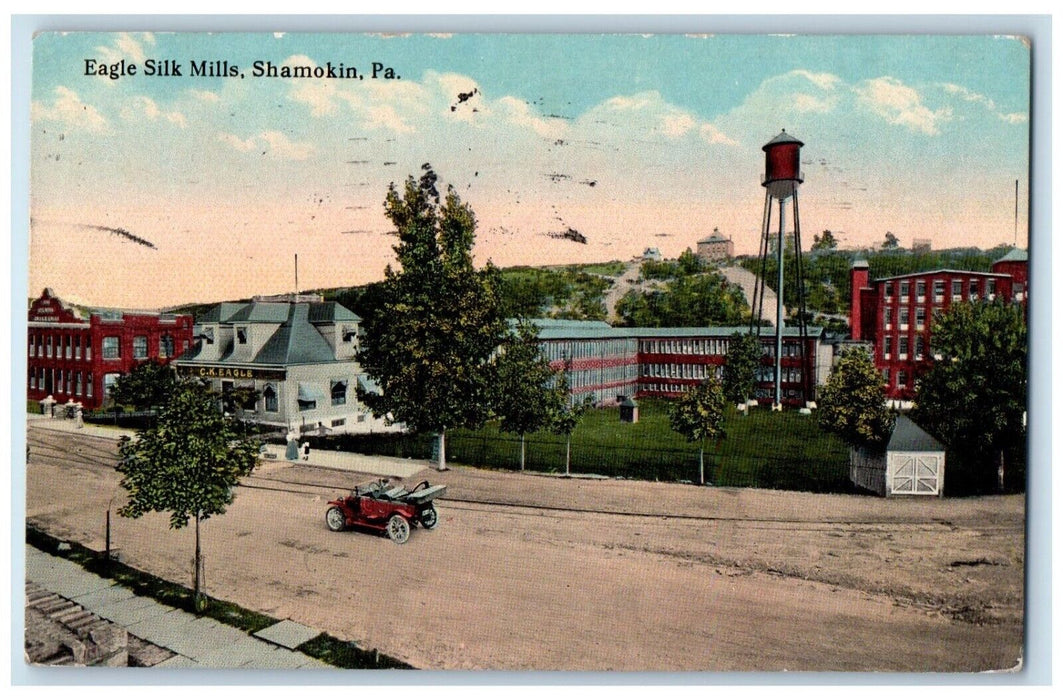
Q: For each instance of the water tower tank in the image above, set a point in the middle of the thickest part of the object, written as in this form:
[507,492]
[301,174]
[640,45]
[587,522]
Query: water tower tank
[782,165]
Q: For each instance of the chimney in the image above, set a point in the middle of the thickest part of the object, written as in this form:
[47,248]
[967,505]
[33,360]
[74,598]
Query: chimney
[858,283]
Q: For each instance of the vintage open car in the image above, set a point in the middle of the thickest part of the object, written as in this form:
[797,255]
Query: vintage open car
[386,507]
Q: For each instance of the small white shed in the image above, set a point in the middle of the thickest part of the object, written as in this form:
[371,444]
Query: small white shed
[913,464]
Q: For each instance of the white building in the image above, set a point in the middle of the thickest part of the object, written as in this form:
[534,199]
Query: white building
[300,357]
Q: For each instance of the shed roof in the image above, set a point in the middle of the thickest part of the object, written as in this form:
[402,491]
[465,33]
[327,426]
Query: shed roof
[1014,255]
[909,437]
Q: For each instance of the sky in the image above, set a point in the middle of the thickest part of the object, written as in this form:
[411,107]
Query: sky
[151,190]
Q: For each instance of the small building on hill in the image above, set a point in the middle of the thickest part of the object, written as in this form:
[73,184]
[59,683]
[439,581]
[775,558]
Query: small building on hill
[715,247]
[912,465]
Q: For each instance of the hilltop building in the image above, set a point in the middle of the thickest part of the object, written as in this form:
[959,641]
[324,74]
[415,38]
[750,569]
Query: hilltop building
[300,357]
[895,314]
[715,247]
[76,353]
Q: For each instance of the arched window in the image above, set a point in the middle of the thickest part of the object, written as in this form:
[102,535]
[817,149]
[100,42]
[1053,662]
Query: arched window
[269,395]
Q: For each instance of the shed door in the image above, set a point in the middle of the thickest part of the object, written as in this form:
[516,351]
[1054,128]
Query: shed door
[916,474]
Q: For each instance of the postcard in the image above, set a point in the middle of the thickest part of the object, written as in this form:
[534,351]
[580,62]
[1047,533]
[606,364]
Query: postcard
[528,352]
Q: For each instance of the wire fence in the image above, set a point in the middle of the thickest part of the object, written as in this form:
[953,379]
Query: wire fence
[787,469]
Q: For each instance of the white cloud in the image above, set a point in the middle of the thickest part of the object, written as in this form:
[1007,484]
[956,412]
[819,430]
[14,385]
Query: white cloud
[141,107]
[901,105]
[519,113]
[649,112]
[205,96]
[1014,118]
[270,143]
[125,46]
[69,110]
[710,134]
[824,81]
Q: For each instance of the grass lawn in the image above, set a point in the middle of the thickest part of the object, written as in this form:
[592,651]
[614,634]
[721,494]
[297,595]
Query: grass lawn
[772,450]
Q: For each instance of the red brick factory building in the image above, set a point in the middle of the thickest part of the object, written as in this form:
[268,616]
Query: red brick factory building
[75,353]
[894,314]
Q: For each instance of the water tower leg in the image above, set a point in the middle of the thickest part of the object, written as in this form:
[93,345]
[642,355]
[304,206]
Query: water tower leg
[780,307]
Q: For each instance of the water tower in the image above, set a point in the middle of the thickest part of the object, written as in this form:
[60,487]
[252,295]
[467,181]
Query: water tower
[782,175]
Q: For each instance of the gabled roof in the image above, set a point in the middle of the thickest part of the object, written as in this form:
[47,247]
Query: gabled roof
[909,437]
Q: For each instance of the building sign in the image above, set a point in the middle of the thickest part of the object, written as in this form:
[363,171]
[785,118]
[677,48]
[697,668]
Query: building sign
[222,372]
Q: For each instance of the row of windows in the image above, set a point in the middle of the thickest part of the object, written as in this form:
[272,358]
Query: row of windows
[902,378]
[976,288]
[903,346]
[680,371]
[66,346]
[685,346]
[577,379]
[70,346]
[307,400]
[58,381]
[588,348]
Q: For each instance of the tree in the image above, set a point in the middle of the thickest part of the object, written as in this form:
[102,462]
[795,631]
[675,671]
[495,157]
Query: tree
[891,242]
[525,385]
[186,465]
[698,416]
[430,345]
[148,384]
[852,404]
[974,397]
[740,367]
[566,415]
[825,242]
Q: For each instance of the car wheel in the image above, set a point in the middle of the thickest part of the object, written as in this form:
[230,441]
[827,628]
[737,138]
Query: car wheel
[335,519]
[429,518]
[398,529]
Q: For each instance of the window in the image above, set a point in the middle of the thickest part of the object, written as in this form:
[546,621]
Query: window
[207,335]
[920,347]
[308,397]
[140,347]
[48,346]
[67,347]
[108,382]
[905,289]
[939,290]
[241,335]
[920,290]
[77,347]
[110,348]
[889,290]
[338,422]
[887,347]
[972,290]
[88,384]
[902,379]
[78,384]
[905,316]
[33,380]
[33,346]
[902,349]
[166,346]
[339,392]
[887,317]
[886,376]
[269,395]
[920,318]
[957,289]
[990,289]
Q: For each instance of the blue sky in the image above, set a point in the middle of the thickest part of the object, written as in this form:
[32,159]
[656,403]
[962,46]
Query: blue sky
[632,140]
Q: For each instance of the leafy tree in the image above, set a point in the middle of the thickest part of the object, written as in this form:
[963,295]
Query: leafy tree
[852,404]
[891,242]
[526,398]
[689,263]
[430,344]
[698,416]
[740,367]
[825,242]
[698,300]
[974,396]
[148,384]
[187,464]
[237,399]
[566,415]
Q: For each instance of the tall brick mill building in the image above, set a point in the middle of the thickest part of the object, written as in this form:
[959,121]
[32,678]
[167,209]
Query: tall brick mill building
[75,353]
[895,314]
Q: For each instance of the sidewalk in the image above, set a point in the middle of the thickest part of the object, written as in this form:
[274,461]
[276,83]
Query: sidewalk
[273,456]
[196,642]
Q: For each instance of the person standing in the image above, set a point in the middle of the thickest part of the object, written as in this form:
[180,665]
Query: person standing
[306,451]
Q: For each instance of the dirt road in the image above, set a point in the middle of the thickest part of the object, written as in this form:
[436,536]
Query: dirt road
[532,572]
